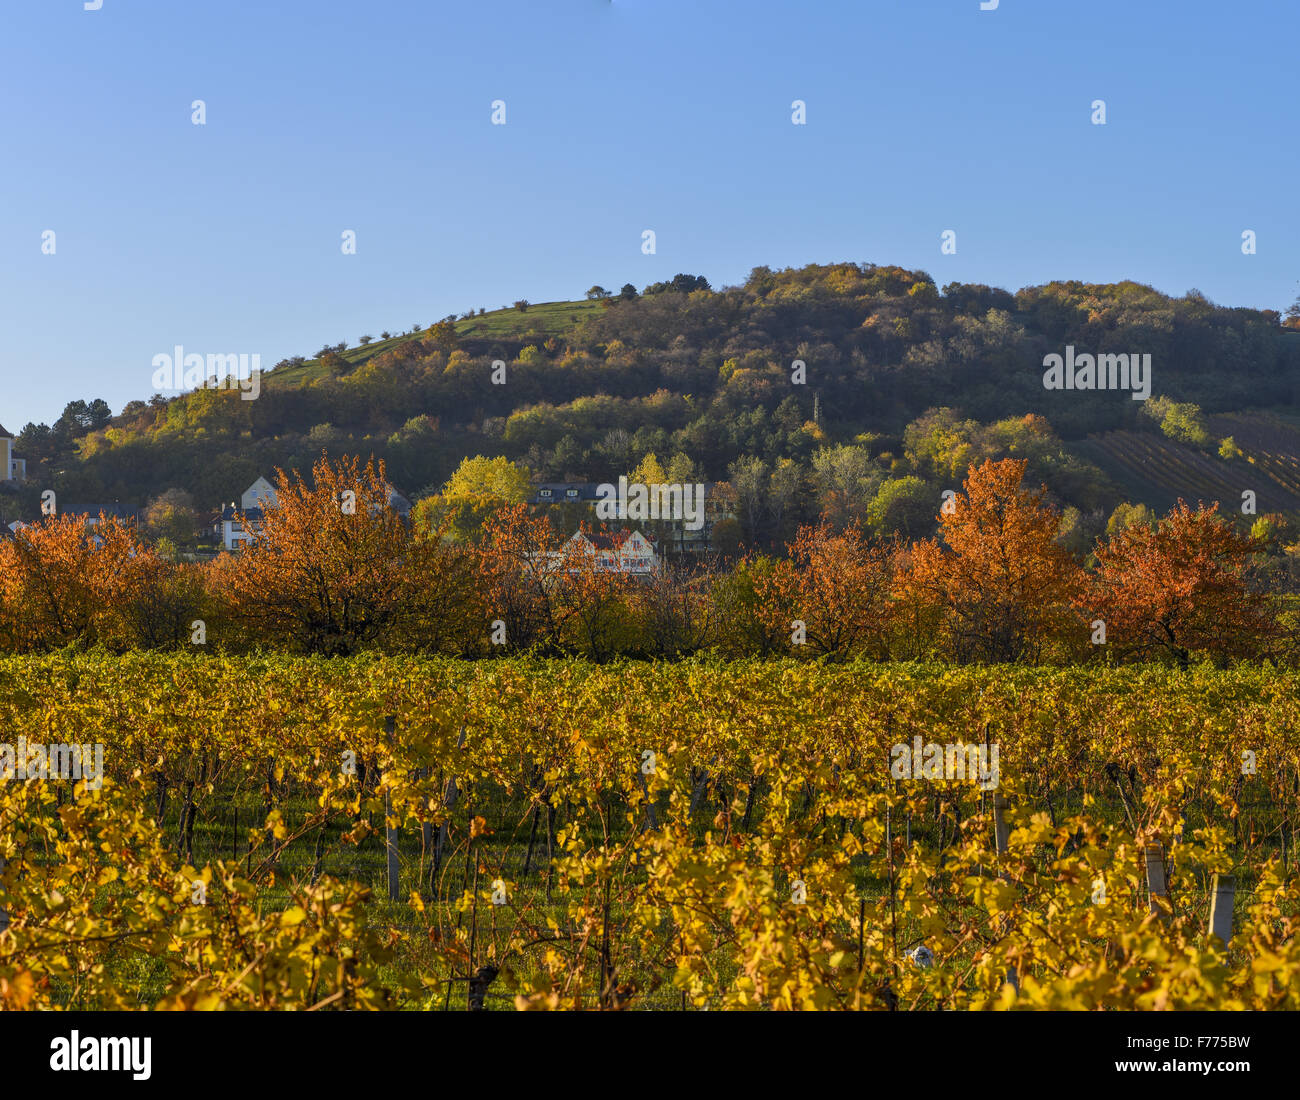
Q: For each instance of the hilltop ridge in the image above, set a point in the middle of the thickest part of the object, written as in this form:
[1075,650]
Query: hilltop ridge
[900,379]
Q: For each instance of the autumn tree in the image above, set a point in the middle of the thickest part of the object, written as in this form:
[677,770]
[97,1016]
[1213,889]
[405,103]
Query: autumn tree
[747,487]
[846,480]
[785,490]
[839,588]
[161,610]
[65,581]
[916,616]
[754,607]
[1177,586]
[45,584]
[442,335]
[905,505]
[1000,581]
[171,516]
[514,562]
[479,487]
[677,618]
[650,472]
[1127,515]
[332,568]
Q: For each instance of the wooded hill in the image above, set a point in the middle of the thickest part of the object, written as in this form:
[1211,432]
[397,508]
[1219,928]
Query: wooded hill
[904,385]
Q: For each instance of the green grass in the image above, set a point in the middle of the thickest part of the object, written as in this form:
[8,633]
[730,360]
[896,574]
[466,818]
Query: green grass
[545,318]
[551,318]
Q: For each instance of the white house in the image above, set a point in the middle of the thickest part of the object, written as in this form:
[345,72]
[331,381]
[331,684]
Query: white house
[628,552]
[261,494]
[239,523]
[676,533]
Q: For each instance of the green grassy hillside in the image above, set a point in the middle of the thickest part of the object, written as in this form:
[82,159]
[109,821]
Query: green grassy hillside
[542,319]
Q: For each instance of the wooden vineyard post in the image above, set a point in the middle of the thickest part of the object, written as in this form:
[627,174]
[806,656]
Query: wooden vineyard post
[317,854]
[451,793]
[1223,888]
[889,850]
[649,805]
[390,833]
[1155,860]
[426,830]
[1001,832]
[4,913]
[1002,840]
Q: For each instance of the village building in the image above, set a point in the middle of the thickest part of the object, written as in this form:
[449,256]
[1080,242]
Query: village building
[238,522]
[13,470]
[670,534]
[626,552]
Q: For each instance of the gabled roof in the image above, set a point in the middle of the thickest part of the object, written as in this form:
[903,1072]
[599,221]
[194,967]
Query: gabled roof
[553,491]
[614,540]
[4,434]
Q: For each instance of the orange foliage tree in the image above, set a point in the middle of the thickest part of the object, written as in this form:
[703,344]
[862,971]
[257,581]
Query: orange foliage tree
[333,569]
[596,603]
[839,587]
[916,616]
[1000,582]
[513,566]
[63,581]
[1178,586]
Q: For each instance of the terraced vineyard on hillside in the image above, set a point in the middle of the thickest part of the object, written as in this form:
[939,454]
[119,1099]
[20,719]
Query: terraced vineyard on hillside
[1159,472]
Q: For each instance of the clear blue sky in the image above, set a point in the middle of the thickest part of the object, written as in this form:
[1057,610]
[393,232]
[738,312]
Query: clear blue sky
[671,115]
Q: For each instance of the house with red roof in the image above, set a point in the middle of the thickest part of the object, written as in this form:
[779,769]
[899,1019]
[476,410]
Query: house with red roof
[628,552]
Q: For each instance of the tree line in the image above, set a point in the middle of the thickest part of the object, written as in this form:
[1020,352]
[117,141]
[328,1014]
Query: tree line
[335,571]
